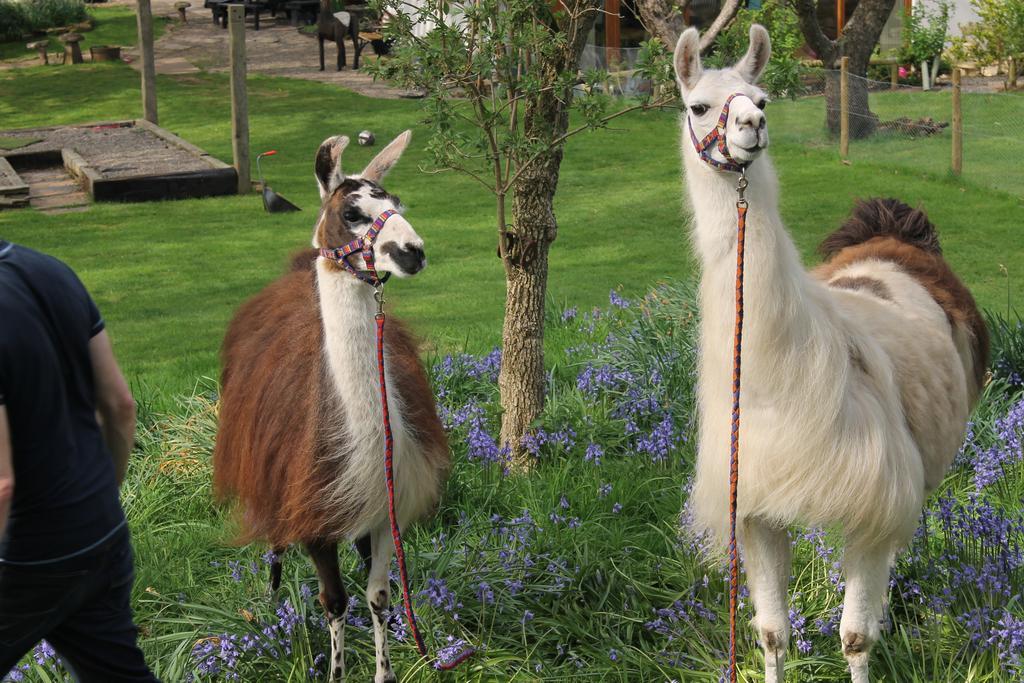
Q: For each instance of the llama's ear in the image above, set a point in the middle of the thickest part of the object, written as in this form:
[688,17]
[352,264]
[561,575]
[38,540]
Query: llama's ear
[382,163]
[687,60]
[760,50]
[327,166]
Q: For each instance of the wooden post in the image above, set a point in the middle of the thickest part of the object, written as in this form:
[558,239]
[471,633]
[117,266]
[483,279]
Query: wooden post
[239,98]
[612,34]
[145,23]
[844,107]
[894,76]
[958,125]
[840,17]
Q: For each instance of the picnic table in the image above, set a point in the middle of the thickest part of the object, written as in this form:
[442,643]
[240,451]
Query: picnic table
[219,9]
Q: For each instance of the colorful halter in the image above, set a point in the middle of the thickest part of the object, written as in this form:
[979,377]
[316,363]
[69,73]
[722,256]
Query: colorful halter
[364,246]
[717,134]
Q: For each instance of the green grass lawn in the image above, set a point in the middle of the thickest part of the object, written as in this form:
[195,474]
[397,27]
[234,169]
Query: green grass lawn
[993,127]
[169,274]
[114,26]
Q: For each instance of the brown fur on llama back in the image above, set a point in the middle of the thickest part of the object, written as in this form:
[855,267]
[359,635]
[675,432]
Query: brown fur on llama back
[889,230]
[270,449]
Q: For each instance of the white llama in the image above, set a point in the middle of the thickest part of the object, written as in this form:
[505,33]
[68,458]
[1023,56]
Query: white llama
[858,377]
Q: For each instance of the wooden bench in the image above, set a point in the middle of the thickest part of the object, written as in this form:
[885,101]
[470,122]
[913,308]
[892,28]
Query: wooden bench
[219,9]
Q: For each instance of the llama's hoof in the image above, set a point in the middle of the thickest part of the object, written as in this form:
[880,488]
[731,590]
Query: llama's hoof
[389,677]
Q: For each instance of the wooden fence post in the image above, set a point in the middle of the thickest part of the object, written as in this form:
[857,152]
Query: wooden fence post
[145,25]
[958,125]
[239,98]
[894,76]
[844,107]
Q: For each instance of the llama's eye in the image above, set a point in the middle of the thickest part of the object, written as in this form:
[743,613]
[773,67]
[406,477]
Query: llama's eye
[353,216]
[699,109]
[762,104]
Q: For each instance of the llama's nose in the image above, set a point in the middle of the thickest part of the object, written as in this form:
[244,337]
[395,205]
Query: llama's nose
[410,259]
[753,119]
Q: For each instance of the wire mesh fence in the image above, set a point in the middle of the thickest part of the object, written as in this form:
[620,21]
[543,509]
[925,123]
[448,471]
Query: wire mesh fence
[891,124]
[903,126]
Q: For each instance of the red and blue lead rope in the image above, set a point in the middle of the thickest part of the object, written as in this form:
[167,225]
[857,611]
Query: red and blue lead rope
[734,446]
[396,534]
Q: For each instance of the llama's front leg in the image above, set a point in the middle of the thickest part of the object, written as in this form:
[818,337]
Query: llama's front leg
[378,596]
[766,558]
[334,600]
[867,582]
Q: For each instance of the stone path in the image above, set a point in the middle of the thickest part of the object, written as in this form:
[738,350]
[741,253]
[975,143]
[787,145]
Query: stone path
[277,49]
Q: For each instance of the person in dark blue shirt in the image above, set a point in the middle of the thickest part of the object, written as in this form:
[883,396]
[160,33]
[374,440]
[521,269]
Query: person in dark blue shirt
[67,426]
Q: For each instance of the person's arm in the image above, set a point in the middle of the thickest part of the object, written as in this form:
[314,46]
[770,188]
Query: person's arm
[6,470]
[114,403]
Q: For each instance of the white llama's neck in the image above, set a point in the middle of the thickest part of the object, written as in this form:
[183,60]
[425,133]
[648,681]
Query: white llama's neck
[347,308]
[783,307]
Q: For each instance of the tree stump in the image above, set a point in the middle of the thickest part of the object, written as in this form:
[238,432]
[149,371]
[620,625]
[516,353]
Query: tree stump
[40,47]
[181,7]
[72,49]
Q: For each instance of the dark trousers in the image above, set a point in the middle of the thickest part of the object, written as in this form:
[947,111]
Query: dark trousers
[81,607]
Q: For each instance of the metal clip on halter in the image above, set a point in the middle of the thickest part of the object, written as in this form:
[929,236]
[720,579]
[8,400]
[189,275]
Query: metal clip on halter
[378,295]
[741,187]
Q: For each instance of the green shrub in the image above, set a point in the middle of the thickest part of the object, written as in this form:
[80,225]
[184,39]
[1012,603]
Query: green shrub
[997,37]
[18,17]
[924,32]
[782,76]
[1007,348]
[44,14]
[13,20]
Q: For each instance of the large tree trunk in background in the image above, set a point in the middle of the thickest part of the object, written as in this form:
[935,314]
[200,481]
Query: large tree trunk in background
[863,121]
[860,35]
[665,20]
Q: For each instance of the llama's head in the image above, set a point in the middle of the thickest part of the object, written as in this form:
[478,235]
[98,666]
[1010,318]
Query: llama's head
[350,204]
[705,92]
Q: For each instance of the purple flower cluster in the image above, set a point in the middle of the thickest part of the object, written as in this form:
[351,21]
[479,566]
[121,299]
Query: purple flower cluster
[440,596]
[991,462]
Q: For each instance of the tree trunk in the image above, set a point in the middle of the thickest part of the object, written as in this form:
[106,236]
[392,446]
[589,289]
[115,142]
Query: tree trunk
[521,379]
[858,41]
[863,121]
[663,19]
[666,20]
[545,119]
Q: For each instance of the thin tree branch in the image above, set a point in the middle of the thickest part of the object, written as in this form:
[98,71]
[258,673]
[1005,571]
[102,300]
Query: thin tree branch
[724,18]
[568,134]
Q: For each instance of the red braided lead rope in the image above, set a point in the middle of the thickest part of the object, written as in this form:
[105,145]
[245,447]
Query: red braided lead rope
[396,534]
[734,446]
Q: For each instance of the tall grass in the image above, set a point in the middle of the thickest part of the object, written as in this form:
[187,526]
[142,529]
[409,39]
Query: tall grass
[579,570]
[18,17]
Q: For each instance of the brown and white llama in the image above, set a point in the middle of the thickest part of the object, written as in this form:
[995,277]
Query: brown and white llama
[300,445]
[858,377]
